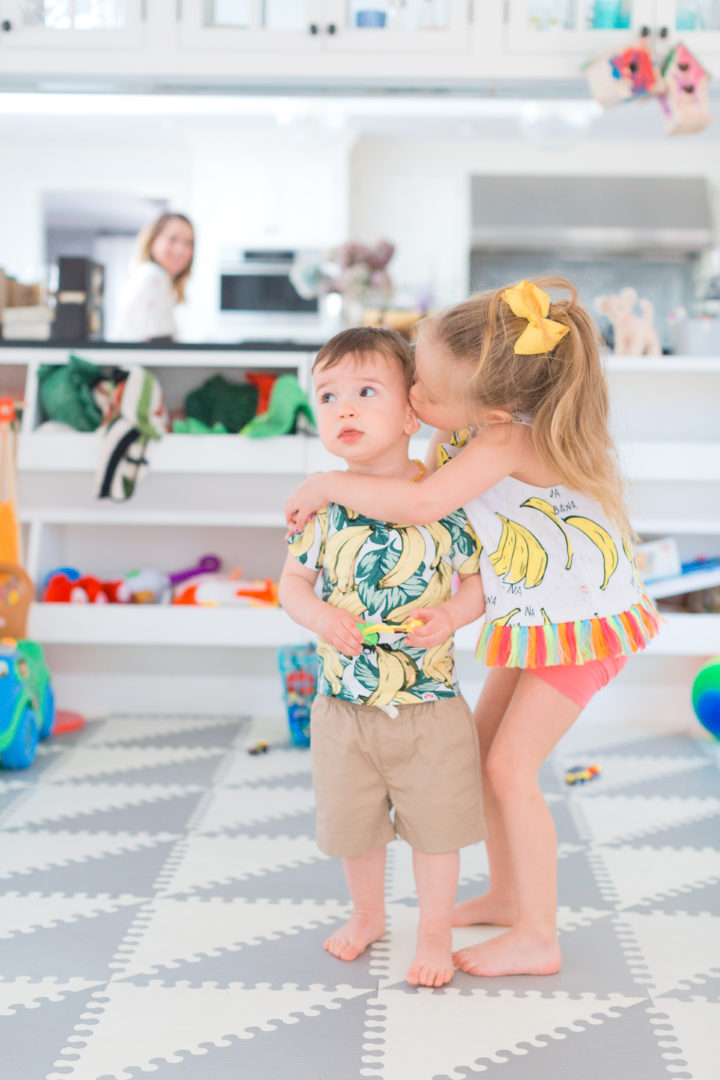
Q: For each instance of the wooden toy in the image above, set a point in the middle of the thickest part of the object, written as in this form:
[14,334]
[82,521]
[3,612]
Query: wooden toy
[685,98]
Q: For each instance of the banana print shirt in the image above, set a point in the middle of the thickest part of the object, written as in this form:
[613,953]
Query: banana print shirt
[379,572]
[560,580]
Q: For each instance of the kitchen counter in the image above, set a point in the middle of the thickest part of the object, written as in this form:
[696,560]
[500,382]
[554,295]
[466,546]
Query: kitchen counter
[168,346]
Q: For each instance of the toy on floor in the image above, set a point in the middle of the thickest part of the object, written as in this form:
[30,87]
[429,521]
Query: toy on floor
[259,748]
[27,704]
[706,696]
[580,774]
[298,667]
[634,334]
[66,721]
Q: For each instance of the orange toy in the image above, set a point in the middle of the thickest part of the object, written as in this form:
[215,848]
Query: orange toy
[9,528]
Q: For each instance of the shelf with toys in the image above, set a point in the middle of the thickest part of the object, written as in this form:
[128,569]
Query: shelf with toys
[225,494]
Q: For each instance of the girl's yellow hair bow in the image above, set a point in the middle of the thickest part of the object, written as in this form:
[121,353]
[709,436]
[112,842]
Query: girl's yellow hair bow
[541,335]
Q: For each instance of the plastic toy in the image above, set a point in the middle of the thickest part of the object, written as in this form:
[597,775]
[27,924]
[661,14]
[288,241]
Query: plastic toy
[64,588]
[9,526]
[580,774]
[371,631]
[261,593]
[298,667]
[27,707]
[16,594]
[706,696]
[635,335]
[259,748]
[67,586]
[66,721]
[153,587]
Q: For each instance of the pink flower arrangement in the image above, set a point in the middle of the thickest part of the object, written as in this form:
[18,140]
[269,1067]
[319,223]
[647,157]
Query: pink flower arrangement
[354,270]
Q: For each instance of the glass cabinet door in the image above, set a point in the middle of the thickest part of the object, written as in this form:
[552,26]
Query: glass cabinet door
[689,17]
[250,24]
[570,25]
[71,23]
[399,25]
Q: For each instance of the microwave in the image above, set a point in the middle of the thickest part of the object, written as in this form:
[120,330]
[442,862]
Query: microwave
[256,296]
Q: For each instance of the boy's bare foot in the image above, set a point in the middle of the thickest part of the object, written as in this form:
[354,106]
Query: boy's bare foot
[485,910]
[512,953]
[353,938]
[433,965]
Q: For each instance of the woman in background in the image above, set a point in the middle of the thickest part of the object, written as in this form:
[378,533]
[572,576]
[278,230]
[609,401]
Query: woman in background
[157,282]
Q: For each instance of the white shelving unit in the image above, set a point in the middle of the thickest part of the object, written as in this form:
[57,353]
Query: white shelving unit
[225,494]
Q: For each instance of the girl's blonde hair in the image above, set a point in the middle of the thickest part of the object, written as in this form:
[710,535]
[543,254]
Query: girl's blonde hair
[564,392]
[147,237]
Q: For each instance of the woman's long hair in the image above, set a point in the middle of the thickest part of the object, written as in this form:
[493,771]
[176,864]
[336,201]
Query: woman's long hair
[146,238]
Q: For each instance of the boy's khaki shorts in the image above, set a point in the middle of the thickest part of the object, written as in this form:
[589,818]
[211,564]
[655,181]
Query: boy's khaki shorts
[425,763]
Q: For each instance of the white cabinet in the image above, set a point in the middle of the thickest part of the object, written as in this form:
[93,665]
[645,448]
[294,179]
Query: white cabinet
[553,30]
[71,24]
[326,26]
[583,27]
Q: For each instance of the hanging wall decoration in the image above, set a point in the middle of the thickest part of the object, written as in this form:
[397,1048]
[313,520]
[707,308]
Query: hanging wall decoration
[618,77]
[680,84]
[684,100]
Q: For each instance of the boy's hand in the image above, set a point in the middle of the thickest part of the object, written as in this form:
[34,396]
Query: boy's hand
[436,628]
[308,498]
[338,628]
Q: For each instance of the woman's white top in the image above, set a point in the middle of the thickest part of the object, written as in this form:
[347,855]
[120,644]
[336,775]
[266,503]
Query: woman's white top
[147,305]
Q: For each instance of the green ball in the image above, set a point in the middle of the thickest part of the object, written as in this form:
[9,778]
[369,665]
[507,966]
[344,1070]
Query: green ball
[706,696]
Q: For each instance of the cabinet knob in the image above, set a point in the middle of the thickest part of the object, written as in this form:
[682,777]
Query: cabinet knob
[664,31]
[332,28]
[313,28]
[644,31]
[6,26]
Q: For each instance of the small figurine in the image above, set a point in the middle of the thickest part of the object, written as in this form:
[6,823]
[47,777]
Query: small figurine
[635,335]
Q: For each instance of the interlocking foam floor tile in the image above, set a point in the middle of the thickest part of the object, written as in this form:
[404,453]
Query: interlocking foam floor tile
[162,881]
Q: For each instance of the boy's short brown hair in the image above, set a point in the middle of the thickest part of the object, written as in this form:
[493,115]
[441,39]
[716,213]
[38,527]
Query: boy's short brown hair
[364,340]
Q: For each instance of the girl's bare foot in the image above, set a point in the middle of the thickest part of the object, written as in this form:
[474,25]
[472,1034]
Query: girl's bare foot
[433,965]
[515,952]
[353,938]
[487,910]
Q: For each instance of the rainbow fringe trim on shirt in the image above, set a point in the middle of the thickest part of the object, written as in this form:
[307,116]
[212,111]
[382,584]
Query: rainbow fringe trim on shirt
[569,642]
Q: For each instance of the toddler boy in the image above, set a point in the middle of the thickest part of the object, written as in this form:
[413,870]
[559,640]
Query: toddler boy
[388,726]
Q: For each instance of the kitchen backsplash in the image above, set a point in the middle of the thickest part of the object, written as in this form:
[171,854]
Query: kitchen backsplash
[668,283]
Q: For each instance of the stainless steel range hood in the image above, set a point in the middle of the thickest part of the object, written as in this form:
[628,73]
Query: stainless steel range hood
[592,214]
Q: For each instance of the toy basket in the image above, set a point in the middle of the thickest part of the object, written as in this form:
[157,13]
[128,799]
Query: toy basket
[298,666]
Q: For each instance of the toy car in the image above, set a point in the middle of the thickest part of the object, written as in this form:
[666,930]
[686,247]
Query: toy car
[27,705]
[580,774]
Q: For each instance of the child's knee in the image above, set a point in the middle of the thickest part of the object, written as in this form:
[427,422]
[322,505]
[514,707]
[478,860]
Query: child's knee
[502,774]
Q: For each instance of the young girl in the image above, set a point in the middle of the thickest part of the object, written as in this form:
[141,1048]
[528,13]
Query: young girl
[519,379]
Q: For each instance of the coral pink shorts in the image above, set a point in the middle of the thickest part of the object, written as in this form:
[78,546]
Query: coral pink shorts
[580,682]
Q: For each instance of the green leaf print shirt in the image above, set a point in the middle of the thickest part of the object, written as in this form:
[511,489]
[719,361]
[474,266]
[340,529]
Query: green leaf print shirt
[380,572]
